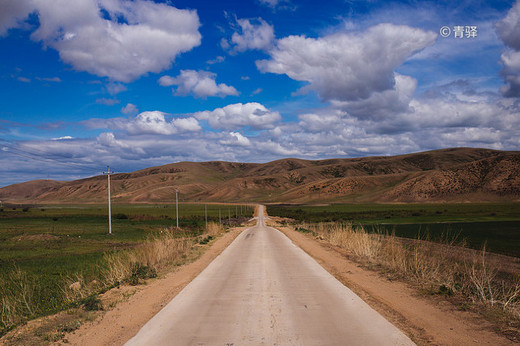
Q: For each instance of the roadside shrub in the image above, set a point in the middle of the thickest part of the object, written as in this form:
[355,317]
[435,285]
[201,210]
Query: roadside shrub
[68,327]
[140,271]
[92,303]
[206,240]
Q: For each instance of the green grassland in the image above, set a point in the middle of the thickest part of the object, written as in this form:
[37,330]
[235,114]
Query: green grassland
[497,225]
[82,230]
[51,244]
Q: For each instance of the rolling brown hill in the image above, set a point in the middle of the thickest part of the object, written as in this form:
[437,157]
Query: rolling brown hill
[455,175]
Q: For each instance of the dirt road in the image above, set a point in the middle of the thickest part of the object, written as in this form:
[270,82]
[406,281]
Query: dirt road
[264,290]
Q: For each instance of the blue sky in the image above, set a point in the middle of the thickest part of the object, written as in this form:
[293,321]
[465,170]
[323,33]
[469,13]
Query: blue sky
[132,84]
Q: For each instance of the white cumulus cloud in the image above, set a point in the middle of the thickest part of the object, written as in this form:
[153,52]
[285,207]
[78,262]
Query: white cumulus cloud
[347,66]
[238,115]
[252,34]
[129,109]
[107,139]
[186,124]
[199,83]
[236,138]
[121,40]
[154,122]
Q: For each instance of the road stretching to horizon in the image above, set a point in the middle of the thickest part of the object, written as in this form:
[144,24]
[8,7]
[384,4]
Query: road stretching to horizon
[264,290]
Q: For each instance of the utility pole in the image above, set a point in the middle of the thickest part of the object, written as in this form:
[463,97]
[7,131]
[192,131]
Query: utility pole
[206,215]
[219,217]
[108,174]
[229,215]
[177,206]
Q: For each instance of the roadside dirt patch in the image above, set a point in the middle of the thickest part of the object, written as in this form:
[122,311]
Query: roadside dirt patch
[129,311]
[426,320]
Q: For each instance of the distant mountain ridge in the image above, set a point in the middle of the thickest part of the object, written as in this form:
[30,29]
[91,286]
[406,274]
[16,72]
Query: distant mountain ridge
[447,175]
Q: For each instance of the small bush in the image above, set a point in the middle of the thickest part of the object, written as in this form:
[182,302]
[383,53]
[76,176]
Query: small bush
[140,271]
[92,303]
[120,216]
[206,240]
[69,327]
[303,230]
[445,290]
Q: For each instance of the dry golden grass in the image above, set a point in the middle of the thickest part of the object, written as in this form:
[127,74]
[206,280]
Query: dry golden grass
[17,298]
[215,229]
[439,268]
[160,250]
[156,253]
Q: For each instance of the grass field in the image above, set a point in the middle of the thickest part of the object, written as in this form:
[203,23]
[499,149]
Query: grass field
[495,224]
[50,244]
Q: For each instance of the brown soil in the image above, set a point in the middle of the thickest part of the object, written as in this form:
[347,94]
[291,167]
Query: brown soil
[427,320]
[133,310]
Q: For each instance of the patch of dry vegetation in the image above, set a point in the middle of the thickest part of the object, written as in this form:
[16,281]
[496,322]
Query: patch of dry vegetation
[159,251]
[470,278]
[18,297]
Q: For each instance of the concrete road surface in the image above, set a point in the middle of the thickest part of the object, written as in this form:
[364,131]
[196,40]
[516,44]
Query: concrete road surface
[264,290]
